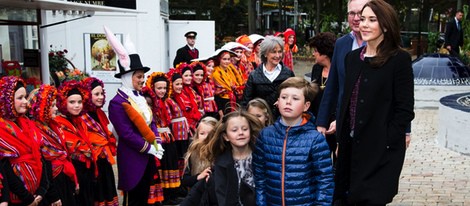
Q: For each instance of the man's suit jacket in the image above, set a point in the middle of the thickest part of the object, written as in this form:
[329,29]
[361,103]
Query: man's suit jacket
[334,85]
[453,36]
[182,55]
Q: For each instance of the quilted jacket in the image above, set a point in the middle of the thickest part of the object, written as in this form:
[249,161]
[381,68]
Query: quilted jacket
[292,165]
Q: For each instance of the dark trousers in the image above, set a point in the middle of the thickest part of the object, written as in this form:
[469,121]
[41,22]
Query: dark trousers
[139,195]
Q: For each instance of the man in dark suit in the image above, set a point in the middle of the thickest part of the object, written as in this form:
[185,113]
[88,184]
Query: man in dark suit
[454,34]
[188,52]
[334,86]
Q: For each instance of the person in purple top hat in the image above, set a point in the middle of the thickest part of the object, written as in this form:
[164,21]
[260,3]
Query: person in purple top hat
[135,152]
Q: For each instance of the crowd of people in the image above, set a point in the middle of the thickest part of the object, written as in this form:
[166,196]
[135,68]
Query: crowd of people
[235,128]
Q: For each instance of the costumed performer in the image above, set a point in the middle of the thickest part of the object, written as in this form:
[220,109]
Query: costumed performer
[134,124]
[20,145]
[63,182]
[102,141]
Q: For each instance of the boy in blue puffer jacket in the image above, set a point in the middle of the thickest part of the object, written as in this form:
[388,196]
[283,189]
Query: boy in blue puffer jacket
[291,161]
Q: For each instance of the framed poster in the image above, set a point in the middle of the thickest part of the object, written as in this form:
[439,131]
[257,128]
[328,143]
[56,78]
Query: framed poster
[100,58]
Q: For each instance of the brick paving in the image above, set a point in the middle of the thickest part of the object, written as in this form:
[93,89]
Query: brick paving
[432,175]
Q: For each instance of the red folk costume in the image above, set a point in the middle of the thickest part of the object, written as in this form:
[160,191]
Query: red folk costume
[169,171]
[289,49]
[19,143]
[53,147]
[256,39]
[206,89]
[103,146]
[187,100]
[244,59]
[179,123]
[77,140]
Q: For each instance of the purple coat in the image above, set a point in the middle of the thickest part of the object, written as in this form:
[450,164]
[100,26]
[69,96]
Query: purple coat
[132,157]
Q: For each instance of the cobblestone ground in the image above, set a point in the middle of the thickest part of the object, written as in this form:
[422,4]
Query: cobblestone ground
[432,175]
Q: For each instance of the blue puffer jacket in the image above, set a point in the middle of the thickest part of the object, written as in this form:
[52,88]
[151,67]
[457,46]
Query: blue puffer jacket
[293,164]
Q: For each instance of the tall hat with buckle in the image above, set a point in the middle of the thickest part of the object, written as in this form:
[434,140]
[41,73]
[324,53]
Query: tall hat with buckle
[128,59]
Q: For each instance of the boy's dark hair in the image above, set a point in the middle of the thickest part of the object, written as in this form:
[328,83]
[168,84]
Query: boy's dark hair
[310,92]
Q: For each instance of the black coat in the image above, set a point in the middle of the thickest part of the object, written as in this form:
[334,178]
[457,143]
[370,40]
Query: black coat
[369,163]
[182,55]
[223,187]
[258,85]
[453,36]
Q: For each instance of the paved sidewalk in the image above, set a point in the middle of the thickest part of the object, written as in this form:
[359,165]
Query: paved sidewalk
[432,175]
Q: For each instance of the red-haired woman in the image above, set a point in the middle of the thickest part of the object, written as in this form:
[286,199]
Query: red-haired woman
[63,178]
[20,145]
[70,99]
[102,141]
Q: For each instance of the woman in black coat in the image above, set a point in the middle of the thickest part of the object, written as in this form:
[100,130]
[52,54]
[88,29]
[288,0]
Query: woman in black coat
[264,80]
[376,108]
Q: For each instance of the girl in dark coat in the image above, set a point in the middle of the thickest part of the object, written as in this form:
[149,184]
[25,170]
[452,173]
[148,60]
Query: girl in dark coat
[376,108]
[229,150]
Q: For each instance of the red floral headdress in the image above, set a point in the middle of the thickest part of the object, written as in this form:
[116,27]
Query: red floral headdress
[64,90]
[199,87]
[87,83]
[7,96]
[204,69]
[151,79]
[182,66]
[41,102]
[159,107]
[172,72]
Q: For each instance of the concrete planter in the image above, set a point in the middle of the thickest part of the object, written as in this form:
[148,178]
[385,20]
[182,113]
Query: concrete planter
[454,124]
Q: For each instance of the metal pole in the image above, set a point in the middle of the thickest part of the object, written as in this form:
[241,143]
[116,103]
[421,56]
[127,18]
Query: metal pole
[43,45]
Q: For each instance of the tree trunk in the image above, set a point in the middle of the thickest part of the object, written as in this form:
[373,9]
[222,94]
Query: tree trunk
[251,16]
[317,21]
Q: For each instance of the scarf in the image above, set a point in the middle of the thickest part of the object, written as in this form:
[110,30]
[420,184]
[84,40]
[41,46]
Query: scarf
[54,150]
[140,101]
[20,144]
